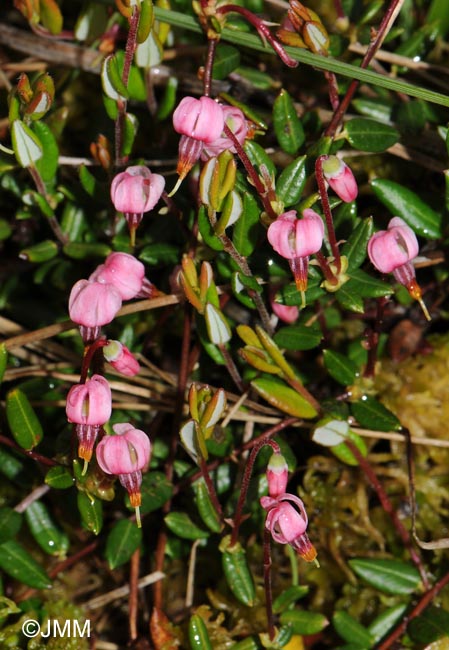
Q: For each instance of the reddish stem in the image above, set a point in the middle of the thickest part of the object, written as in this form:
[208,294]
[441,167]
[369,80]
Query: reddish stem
[245,485]
[267,582]
[262,30]
[131,42]
[208,68]
[133,606]
[416,611]
[89,352]
[384,27]
[326,269]
[327,212]
[389,509]
[31,454]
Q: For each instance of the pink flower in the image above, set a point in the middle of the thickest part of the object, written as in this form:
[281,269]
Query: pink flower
[135,191]
[93,304]
[392,251]
[121,359]
[288,524]
[277,475]
[292,237]
[89,406]
[236,121]
[340,178]
[125,455]
[201,119]
[296,239]
[124,272]
[90,403]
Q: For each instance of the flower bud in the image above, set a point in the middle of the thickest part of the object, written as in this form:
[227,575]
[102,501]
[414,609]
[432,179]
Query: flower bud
[340,178]
[277,475]
[121,359]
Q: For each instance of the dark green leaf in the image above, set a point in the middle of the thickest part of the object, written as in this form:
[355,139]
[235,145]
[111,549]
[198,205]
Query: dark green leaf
[245,231]
[367,286]
[198,636]
[351,630]
[59,478]
[3,360]
[368,135]
[123,539]
[258,156]
[23,421]
[91,511]
[227,59]
[383,623]
[375,108]
[340,367]
[155,490]
[50,538]
[432,624]
[389,576]
[205,506]
[181,524]
[10,522]
[288,597]
[81,251]
[298,337]
[373,415]
[355,248]
[90,184]
[18,563]
[406,204]
[287,125]
[42,252]
[304,622]
[349,300]
[159,253]
[237,572]
[291,181]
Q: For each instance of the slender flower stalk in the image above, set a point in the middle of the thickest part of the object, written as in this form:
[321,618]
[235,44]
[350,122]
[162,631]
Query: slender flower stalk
[327,212]
[245,485]
[262,29]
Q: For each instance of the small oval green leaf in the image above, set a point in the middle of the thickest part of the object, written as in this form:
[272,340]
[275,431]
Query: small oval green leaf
[181,524]
[237,572]
[355,248]
[42,252]
[50,538]
[287,125]
[59,478]
[156,490]
[123,539]
[304,622]
[351,630]
[91,511]
[298,337]
[198,636]
[288,597]
[389,576]
[368,135]
[23,421]
[10,522]
[291,181]
[404,203]
[373,415]
[340,367]
[18,563]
